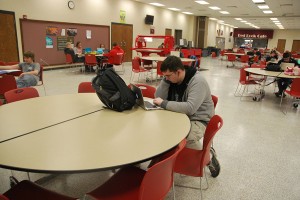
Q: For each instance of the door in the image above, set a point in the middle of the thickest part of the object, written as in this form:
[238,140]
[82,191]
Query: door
[281,45]
[168,31]
[220,42]
[122,34]
[178,36]
[8,37]
[296,46]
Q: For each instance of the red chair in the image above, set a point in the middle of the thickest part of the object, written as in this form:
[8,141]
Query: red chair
[86,87]
[90,61]
[1,103]
[186,53]
[132,183]
[215,100]
[158,71]
[244,82]
[7,82]
[191,162]
[147,90]
[41,79]
[118,61]
[231,58]
[136,68]
[198,53]
[244,59]
[69,59]
[29,190]
[294,92]
[213,55]
[20,94]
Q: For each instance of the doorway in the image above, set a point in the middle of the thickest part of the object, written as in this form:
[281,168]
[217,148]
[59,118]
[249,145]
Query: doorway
[296,46]
[281,45]
[178,36]
[168,31]
[122,34]
[8,37]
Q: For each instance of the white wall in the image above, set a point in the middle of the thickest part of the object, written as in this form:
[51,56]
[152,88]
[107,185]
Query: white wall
[288,35]
[213,26]
[100,13]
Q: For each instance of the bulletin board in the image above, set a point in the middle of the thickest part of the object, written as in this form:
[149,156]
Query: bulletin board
[46,39]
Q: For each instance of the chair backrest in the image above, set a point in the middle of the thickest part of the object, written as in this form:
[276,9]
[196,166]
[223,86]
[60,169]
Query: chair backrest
[20,94]
[41,74]
[215,123]
[159,177]
[158,71]
[86,87]
[69,59]
[136,66]
[215,100]
[90,59]
[2,63]
[147,90]
[118,59]
[7,82]
[186,53]
[244,58]
[3,197]
[243,74]
[1,103]
[295,87]
[231,57]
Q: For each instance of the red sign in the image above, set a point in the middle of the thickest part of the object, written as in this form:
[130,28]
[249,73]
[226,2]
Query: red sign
[255,34]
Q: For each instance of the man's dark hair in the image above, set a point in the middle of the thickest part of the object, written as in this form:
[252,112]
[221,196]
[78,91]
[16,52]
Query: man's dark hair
[286,55]
[114,44]
[29,54]
[171,63]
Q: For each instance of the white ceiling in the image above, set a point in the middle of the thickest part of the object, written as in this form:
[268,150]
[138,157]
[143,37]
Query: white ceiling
[287,11]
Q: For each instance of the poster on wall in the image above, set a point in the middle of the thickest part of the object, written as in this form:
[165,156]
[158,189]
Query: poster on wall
[122,16]
[72,31]
[51,30]
[88,34]
[62,40]
[49,42]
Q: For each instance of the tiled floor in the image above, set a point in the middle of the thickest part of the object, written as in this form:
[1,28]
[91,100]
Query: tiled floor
[258,146]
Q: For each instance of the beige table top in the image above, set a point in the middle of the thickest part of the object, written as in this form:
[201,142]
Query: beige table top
[263,72]
[237,54]
[100,140]
[158,58]
[149,50]
[28,115]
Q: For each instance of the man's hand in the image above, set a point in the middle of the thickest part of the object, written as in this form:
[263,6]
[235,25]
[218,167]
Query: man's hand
[21,75]
[157,101]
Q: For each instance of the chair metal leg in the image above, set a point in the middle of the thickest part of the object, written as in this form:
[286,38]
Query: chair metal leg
[173,188]
[201,197]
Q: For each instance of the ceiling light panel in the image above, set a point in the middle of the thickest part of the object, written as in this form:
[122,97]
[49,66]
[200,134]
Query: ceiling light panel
[263,7]
[174,9]
[188,13]
[258,1]
[268,11]
[157,4]
[202,2]
[238,19]
[224,12]
[215,8]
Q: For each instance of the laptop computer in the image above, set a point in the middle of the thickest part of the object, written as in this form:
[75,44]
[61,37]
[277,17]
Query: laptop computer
[140,99]
[284,66]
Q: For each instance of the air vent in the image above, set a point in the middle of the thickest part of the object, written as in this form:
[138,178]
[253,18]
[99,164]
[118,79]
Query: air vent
[288,4]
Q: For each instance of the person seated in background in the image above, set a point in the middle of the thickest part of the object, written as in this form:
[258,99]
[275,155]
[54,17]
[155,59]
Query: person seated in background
[272,58]
[161,46]
[69,50]
[102,46]
[30,71]
[283,83]
[180,53]
[116,50]
[185,90]
[78,52]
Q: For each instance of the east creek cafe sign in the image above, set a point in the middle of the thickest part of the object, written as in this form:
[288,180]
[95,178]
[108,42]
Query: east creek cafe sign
[255,34]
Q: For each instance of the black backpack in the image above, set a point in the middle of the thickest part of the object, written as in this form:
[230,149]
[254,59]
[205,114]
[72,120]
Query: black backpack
[113,91]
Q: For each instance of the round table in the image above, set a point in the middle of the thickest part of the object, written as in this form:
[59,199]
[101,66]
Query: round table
[99,140]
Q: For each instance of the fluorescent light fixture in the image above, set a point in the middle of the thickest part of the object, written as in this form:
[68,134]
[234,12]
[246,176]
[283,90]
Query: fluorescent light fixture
[235,27]
[248,23]
[157,4]
[188,13]
[238,19]
[244,21]
[213,18]
[273,18]
[276,21]
[215,8]
[224,12]
[263,7]
[258,1]
[221,21]
[202,2]
[175,9]
[267,11]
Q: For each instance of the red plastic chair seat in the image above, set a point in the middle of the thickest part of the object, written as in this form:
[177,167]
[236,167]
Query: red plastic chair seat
[127,190]
[20,94]
[86,87]
[28,190]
